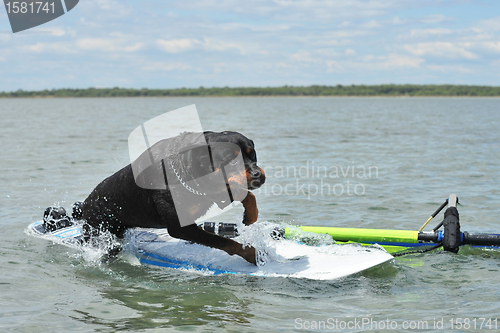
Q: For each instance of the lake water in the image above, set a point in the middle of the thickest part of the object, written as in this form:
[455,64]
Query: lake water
[352,162]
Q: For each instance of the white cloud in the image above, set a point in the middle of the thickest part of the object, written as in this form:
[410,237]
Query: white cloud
[397,20]
[368,63]
[50,48]
[245,27]
[95,44]
[88,24]
[188,44]
[107,9]
[303,56]
[293,10]
[494,46]
[442,50]
[333,66]
[53,31]
[106,4]
[161,66]
[373,24]
[350,52]
[212,45]
[177,45]
[106,45]
[436,18]
[327,53]
[429,32]
[492,24]
[332,58]
[58,32]
[396,60]
[220,67]
[481,35]
[133,48]
[342,34]
[450,68]
[327,9]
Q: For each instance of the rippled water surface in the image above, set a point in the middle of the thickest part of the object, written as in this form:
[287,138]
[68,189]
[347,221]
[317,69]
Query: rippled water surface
[361,162]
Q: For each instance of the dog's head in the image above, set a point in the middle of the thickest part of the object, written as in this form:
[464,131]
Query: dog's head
[209,162]
[228,150]
[227,164]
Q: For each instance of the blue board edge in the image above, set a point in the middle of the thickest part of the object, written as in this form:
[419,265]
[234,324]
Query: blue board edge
[146,257]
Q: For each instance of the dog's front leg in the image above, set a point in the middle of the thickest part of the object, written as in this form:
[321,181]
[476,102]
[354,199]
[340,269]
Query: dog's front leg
[195,234]
[251,212]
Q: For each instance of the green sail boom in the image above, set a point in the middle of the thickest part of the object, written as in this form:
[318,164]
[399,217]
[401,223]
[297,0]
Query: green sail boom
[362,235]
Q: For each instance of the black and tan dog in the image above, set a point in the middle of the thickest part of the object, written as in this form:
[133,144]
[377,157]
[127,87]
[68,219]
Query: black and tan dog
[120,201]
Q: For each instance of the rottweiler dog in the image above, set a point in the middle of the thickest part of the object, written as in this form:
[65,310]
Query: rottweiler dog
[127,200]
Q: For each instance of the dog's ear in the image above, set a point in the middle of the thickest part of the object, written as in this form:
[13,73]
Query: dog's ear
[224,153]
[203,159]
[197,159]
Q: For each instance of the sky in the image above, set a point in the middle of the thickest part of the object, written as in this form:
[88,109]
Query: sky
[235,43]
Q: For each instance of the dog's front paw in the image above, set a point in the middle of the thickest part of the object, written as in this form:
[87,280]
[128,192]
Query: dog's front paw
[248,253]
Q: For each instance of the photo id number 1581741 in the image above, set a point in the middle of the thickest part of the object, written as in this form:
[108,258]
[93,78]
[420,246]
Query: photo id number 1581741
[16,7]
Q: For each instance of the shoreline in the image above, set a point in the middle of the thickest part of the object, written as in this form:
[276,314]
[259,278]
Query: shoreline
[246,96]
[352,91]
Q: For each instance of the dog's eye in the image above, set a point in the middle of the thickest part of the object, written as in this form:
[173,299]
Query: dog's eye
[251,154]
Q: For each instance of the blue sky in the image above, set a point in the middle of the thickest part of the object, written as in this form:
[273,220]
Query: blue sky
[171,44]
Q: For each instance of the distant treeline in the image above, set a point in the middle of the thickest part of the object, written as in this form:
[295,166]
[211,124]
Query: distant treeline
[316,90]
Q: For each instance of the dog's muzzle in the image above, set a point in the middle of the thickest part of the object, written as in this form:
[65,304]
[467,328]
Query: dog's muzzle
[255,178]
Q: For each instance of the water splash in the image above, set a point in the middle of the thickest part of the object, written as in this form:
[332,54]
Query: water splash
[308,238]
[260,236]
[101,248]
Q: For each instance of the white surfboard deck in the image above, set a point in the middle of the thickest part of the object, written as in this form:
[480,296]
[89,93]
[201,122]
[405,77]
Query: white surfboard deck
[284,258]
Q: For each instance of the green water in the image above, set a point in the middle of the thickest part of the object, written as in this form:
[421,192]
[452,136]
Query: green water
[419,150]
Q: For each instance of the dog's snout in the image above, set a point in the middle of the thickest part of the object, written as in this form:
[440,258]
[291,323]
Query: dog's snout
[262,176]
[256,177]
[255,173]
